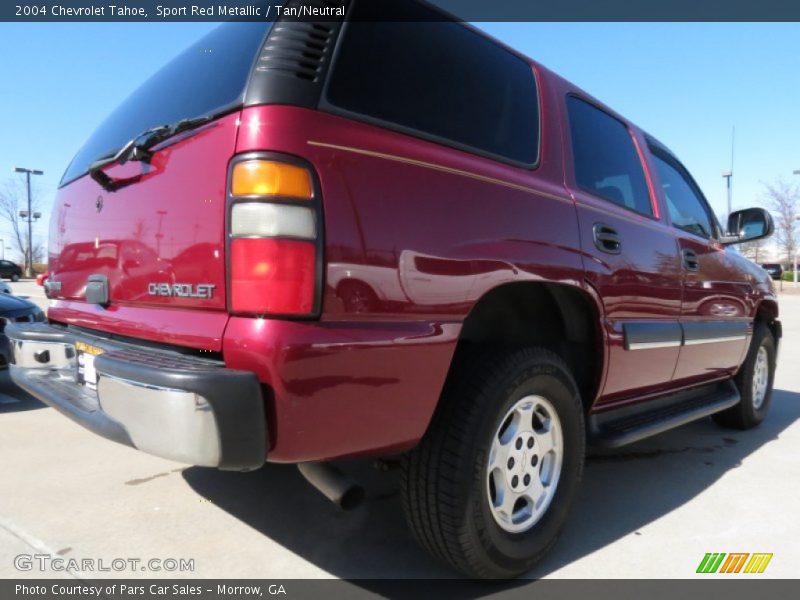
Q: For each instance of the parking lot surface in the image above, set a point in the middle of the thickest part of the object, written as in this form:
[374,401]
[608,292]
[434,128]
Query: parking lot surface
[652,509]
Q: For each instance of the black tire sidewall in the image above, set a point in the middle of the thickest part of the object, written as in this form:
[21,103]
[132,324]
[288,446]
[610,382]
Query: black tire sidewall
[516,552]
[347,291]
[762,338]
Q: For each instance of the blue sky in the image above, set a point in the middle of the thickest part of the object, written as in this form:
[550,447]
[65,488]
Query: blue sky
[687,84]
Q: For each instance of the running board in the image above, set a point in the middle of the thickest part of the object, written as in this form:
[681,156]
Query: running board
[617,427]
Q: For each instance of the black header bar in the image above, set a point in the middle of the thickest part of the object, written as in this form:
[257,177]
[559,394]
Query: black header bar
[465,10]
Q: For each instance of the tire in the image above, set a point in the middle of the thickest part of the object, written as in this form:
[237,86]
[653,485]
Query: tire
[754,406]
[357,297]
[447,487]
[15,277]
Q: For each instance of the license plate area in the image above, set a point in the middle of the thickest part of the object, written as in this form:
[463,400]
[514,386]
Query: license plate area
[85,355]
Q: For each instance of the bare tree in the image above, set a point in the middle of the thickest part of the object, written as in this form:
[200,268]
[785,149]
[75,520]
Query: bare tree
[14,198]
[753,250]
[39,253]
[783,199]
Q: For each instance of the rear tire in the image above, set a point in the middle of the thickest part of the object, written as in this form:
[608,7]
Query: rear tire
[498,413]
[357,297]
[15,277]
[754,381]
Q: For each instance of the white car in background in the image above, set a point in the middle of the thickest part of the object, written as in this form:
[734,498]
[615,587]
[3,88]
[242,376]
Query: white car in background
[418,278]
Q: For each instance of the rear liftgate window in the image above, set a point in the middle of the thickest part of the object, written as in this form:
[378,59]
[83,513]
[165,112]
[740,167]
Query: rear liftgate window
[436,79]
[207,78]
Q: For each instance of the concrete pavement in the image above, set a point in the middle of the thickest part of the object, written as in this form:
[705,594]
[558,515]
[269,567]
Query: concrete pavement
[652,509]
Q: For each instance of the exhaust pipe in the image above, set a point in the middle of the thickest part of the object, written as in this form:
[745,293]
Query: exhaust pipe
[333,484]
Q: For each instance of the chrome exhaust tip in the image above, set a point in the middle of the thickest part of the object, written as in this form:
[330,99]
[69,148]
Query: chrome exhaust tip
[333,484]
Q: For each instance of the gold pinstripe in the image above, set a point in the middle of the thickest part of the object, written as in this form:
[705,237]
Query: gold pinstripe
[441,168]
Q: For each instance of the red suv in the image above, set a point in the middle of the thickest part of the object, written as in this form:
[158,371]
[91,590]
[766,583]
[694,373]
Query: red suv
[390,235]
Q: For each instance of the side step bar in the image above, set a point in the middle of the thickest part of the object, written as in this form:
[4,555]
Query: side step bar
[617,427]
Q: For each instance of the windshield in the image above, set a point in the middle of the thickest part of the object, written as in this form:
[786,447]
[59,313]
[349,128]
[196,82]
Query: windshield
[208,78]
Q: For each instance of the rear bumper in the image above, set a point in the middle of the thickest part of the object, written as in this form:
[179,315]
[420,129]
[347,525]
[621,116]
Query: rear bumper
[179,407]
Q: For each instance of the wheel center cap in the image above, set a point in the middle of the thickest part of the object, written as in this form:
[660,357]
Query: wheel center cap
[519,474]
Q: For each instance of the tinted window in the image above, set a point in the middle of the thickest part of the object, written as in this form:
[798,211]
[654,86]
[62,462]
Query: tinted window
[687,210]
[436,78]
[206,78]
[606,161]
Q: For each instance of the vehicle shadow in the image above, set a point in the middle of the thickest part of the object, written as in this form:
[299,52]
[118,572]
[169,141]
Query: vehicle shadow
[14,398]
[626,489]
[622,491]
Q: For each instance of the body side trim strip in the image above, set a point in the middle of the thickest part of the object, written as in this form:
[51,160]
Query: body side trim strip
[651,335]
[716,340]
[653,345]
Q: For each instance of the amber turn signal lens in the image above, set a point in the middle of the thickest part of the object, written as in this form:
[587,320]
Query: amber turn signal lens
[270,178]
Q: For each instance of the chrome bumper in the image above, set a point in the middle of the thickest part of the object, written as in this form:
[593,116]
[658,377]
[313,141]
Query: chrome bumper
[183,408]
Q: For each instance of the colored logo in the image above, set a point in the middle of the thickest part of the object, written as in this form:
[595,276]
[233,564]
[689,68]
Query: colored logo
[735,562]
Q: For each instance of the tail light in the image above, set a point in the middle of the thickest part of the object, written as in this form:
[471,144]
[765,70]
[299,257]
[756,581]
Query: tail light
[275,248]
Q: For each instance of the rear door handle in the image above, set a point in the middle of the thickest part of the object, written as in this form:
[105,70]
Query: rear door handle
[607,239]
[690,260]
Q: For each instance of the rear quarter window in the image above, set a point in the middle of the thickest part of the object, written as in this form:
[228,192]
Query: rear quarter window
[399,64]
[605,159]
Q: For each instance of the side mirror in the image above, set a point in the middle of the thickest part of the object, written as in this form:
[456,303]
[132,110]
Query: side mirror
[748,225]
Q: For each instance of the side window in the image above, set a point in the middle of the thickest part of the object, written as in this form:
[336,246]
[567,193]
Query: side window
[605,158]
[402,65]
[687,209]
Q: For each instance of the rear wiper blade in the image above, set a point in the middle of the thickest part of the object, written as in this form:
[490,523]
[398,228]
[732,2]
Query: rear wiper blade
[138,149]
[187,124]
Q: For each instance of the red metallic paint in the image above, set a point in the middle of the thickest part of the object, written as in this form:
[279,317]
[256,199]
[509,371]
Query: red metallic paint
[720,290]
[641,283]
[386,197]
[417,231]
[344,388]
[198,329]
[166,228]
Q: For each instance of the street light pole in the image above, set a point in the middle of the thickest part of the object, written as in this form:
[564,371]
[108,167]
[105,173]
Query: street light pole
[29,253]
[728,175]
[796,251]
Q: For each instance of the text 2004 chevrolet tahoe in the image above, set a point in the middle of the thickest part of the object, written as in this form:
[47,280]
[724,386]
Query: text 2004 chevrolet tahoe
[392,235]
